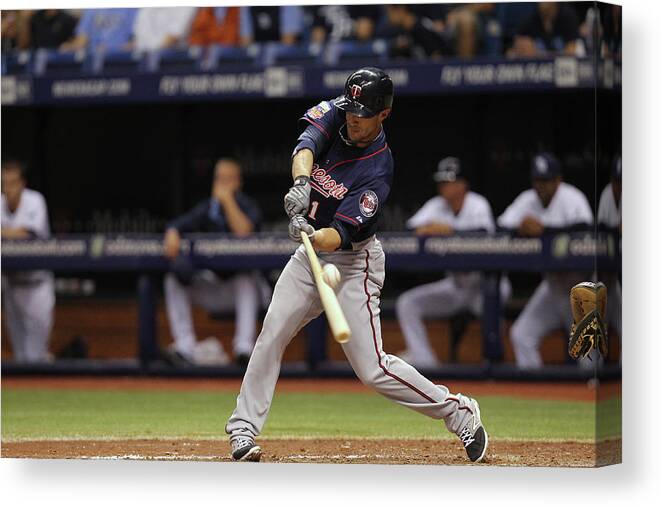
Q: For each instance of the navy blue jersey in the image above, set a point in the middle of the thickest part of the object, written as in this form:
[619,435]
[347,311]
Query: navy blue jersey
[350,185]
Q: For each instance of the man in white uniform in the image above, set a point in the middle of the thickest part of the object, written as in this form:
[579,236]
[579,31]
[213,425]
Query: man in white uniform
[228,210]
[550,205]
[609,215]
[456,209]
[28,297]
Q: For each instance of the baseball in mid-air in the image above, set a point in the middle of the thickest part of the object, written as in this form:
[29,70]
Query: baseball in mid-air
[331,275]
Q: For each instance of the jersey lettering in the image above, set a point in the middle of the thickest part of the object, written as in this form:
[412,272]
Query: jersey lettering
[326,185]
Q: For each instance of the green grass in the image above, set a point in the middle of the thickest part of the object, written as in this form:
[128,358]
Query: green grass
[50,414]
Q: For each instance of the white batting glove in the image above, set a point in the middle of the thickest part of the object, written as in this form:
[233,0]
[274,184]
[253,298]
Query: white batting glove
[297,200]
[297,224]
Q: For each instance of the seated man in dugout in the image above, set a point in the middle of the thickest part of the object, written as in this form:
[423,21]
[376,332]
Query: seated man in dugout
[456,208]
[550,206]
[227,210]
[28,297]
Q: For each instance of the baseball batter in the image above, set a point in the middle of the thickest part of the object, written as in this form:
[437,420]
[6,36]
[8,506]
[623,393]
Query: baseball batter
[28,297]
[342,169]
[455,209]
[550,204]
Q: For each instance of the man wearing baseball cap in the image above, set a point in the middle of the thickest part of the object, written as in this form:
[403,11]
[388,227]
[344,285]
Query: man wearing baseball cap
[455,209]
[550,204]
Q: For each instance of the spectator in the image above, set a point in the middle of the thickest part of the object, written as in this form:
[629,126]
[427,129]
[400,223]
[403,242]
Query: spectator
[415,35]
[329,23]
[50,28]
[550,205]
[551,29]
[612,24]
[459,26]
[227,211]
[365,19]
[215,25]
[15,30]
[455,209]
[28,297]
[271,23]
[464,27]
[110,29]
[161,27]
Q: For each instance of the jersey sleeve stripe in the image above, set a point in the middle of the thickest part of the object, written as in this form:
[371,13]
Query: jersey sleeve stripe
[320,127]
[355,222]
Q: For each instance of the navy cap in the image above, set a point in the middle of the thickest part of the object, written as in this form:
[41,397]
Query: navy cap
[616,170]
[544,166]
[449,169]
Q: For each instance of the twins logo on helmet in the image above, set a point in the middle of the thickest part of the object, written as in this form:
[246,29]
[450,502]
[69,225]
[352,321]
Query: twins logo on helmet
[369,203]
[356,91]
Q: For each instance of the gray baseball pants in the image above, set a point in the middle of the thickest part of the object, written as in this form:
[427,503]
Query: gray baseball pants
[296,302]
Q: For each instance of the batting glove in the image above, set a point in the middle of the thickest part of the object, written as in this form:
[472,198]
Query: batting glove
[297,200]
[297,224]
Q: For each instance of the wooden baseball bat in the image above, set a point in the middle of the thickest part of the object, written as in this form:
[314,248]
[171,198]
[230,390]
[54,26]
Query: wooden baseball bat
[334,315]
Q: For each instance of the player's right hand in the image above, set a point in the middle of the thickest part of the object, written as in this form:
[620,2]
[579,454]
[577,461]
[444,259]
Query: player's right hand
[297,200]
[298,223]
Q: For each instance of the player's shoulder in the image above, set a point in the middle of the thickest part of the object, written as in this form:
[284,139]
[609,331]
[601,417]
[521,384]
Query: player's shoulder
[323,108]
[606,192]
[33,197]
[380,163]
[570,191]
[477,200]
[526,196]
[437,202]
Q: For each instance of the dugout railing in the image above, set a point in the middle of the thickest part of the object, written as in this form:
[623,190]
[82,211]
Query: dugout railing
[143,256]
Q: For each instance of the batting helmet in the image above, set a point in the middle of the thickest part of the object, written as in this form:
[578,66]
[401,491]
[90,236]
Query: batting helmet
[367,92]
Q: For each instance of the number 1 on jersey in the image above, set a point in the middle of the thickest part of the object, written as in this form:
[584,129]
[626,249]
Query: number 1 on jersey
[313,209]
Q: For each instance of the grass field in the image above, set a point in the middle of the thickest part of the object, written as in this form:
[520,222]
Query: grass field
[47,414]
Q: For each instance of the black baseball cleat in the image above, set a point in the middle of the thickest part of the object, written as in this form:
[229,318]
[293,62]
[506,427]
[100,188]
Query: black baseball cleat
[245,449]
[473,435]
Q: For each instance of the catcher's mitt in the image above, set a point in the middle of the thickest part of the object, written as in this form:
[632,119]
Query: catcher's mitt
[588,306]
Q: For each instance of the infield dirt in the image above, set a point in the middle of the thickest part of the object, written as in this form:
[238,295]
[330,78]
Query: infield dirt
[411,452]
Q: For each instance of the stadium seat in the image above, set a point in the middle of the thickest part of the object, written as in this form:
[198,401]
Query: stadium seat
[356,53]
[52,63]
[175,60]
[302,54]
[118,62]
[219,56]
[18,62]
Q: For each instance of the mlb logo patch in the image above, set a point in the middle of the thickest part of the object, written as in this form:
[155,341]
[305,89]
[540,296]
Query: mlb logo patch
[318,111]
[369,203]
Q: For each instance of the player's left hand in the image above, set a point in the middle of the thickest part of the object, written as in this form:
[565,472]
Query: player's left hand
[297,200]
[297,224]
